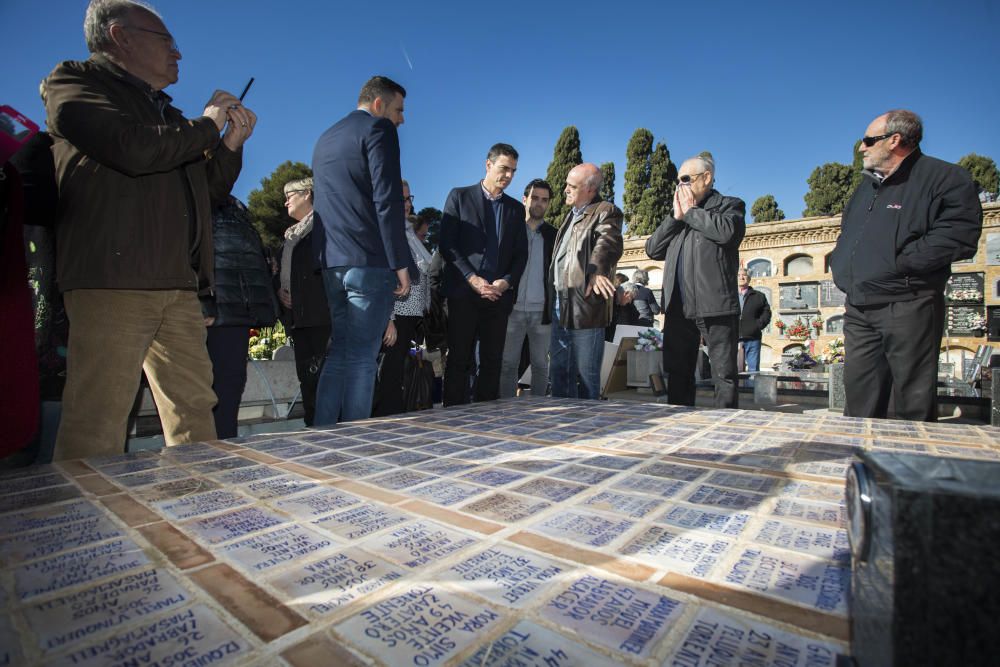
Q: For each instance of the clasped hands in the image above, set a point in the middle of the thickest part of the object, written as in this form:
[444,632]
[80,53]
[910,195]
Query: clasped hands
[227,112]
[683,201]
[491,291]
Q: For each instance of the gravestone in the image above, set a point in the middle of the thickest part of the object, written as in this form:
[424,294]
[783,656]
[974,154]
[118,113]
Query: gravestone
[836,390]
[765,388]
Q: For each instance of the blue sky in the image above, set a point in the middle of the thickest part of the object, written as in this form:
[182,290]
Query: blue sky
[773,89]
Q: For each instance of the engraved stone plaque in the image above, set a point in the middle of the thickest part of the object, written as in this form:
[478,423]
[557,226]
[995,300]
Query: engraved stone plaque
[317,503]
[826,493]
[504,575]
[418,544]
[583,474]
[406,458]
[154,476]
[48,517]
[192,636]
[36,497]
[228,463]
[10,645]
[323,586]
[687,553]
[422,626]
[735,480]
[228,526]
[718,497]
[528,644]
[447,492]
[823,542]
[721,521]
[550,489]
[269,550]
[360,521]
[493,476]
[277,487]
[673,470]
[40,543]
[623,618]
[78,567]
[715,638]
[31,482]
[360,468]
[659,486]
[401,479]
[177,489]
[800,579]
[444,466]
[631,506]
[587,528]
[530,465]
[807,510]
[325,459]
[201,503]
[244,475]
[506,507]
[65,620]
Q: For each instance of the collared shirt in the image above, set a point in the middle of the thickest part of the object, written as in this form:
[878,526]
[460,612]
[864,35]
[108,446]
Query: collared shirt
[531,289]
[560,255]
[497,202]
[743,297]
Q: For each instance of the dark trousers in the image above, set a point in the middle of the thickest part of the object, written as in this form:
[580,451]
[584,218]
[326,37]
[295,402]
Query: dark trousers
[310,351]
[471,319]
[227,348]
[893,348]
[680,354]
[389,394]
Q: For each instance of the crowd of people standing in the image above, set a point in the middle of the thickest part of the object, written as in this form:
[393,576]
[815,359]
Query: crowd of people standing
[151,246]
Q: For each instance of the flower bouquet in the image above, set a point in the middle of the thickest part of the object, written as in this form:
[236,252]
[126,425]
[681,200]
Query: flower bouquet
[797,330]
[833,353]
[650,340]
[977,322]
[965,295]
[801,362]
[265,341]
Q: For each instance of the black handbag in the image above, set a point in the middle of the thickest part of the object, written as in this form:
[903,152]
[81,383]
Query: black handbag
[418,383]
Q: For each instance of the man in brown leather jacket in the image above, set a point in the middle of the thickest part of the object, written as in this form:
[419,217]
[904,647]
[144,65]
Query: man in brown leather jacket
[137,183]
[585,254]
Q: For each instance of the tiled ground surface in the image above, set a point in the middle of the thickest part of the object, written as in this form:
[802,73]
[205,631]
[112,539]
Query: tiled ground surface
[544,532]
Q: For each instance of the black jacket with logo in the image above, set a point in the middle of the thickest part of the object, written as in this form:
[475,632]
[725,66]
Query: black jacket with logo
[756,315]
[898,237]
[706,244]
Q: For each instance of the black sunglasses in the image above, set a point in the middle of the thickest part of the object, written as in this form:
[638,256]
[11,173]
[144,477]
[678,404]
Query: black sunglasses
[871,141]
[686,178]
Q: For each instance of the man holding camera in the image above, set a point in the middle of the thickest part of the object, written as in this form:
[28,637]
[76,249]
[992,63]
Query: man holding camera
[137,184]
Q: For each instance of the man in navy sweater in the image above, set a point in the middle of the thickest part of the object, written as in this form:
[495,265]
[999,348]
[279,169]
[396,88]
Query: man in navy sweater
[910,218]
[361,244]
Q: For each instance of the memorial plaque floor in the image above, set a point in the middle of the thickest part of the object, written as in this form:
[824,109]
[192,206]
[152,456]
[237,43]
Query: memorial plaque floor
[523,531]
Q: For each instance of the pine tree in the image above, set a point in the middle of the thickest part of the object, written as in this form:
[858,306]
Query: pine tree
[565,156]
[608,182]
[657,200]
[984,172]
[267,204]
[765,209]
[637,167]
[830,186]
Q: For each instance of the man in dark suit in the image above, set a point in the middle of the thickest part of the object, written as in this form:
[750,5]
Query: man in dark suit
[361,244]
[485,247]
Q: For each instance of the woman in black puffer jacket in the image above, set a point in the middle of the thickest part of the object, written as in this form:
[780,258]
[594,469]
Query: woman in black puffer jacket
[243,298]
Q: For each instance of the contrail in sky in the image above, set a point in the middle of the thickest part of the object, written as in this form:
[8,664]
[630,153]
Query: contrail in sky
[406,55]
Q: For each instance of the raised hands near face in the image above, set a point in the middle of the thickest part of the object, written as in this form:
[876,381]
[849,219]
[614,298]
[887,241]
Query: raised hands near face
[683,201]
[225,108]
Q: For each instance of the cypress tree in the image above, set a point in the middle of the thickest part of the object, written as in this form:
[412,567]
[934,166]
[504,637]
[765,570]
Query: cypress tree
[565,156]
[637,155]
[830,186]
[608,182]
[765,209]
[984,172]
[657,200]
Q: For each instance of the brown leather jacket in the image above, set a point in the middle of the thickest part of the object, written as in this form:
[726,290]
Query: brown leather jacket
[137,182]
[595,246]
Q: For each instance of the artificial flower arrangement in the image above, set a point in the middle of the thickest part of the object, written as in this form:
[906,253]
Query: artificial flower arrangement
[977,321]
[801,361]
[264,341]
[797,329]
[833,353]
[965,295]
[817,324]
[650,340]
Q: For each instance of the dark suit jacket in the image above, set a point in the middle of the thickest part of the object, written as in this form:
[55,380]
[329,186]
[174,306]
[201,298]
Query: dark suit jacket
[467,225]
[358,195]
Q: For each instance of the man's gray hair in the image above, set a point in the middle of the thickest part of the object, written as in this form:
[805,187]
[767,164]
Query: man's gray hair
[707,162]
[594,180]
[641,277]
[102,14]
[907,124]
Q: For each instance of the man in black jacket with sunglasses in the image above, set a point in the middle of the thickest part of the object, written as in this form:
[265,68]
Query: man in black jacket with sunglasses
[910,218]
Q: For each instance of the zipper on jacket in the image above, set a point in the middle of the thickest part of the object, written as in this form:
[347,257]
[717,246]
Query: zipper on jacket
[857,239]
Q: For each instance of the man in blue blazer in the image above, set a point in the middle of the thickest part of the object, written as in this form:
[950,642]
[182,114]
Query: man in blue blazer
[361,244]
[485,248]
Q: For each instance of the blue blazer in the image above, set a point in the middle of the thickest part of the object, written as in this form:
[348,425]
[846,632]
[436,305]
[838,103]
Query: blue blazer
[467,225]
[358,195]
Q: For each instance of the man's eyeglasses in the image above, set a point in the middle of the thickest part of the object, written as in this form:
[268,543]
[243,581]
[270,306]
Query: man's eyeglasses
[408,198]
[871,141]
[687,178]
[171,42]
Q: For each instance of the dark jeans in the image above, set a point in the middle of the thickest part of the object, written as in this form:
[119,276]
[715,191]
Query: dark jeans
[360,304]
[680,354]
[893,348]
[227,348]
[471,319]
[389,395]
[310,351]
